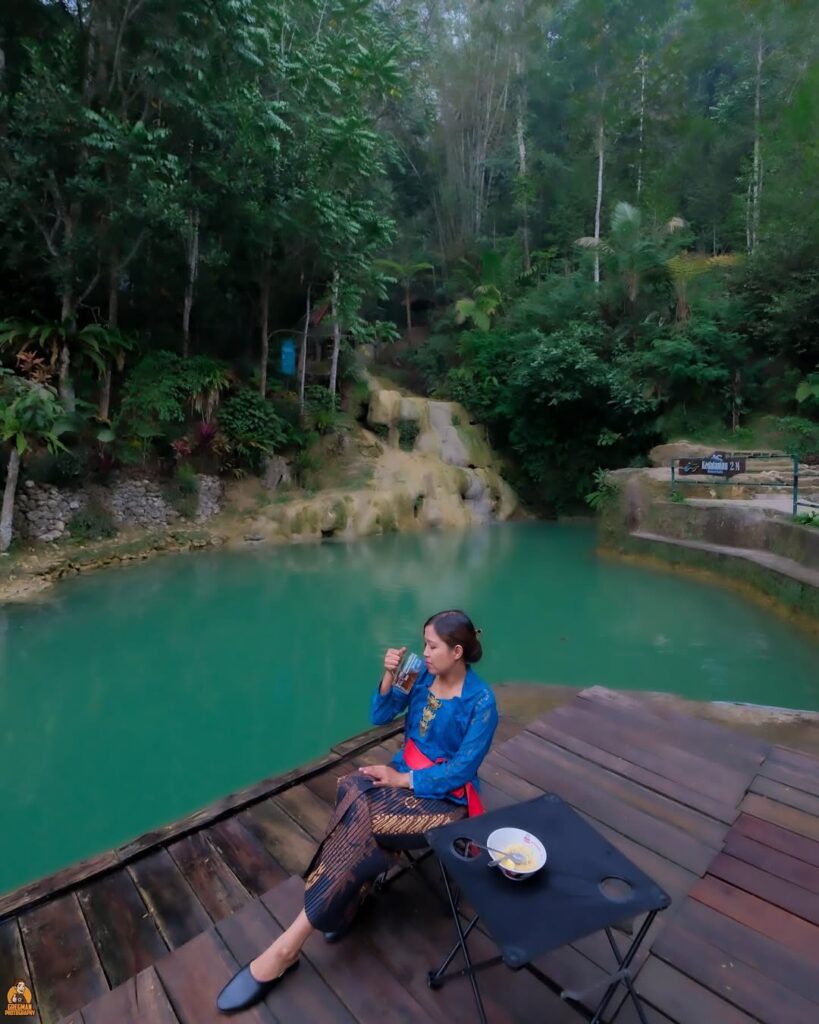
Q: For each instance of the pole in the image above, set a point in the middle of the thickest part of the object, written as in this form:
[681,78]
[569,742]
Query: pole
[795,484]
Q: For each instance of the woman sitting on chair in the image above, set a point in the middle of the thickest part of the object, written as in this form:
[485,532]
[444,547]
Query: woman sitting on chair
[384,809]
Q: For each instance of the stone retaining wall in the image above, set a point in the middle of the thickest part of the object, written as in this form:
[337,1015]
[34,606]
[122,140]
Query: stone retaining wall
[43,512]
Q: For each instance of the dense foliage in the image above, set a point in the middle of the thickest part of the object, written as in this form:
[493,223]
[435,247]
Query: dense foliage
[605,211]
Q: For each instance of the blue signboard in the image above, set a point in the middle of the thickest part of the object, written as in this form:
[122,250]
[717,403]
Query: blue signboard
[288,358]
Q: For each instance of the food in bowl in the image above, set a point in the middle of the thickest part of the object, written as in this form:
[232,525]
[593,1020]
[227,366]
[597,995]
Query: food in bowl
[526,861]
[516,840]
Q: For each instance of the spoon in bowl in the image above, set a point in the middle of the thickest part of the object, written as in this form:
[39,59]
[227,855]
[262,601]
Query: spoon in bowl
[516,858]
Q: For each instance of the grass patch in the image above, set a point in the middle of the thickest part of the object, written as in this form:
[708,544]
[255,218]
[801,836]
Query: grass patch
[408,431]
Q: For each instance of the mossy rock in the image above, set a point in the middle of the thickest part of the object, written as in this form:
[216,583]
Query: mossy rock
[476,444]
[334,518]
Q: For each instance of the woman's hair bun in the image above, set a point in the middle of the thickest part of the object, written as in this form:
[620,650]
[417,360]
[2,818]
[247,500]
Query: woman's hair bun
[455,627]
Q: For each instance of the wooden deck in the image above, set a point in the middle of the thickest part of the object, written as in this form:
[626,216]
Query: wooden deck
[729,826]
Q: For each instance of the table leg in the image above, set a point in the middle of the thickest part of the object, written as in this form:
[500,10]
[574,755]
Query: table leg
[623,975]
[437,978]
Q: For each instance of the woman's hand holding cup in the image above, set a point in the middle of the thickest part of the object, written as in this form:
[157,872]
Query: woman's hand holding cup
[392,659]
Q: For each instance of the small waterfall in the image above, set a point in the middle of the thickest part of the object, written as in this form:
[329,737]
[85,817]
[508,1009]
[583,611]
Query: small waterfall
[453,450]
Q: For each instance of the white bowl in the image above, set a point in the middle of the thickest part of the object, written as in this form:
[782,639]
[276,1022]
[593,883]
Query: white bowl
[503,838]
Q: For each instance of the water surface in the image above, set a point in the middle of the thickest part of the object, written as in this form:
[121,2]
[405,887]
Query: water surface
[132,697]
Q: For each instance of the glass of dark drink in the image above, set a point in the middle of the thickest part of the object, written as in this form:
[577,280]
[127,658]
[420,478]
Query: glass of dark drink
[408,671]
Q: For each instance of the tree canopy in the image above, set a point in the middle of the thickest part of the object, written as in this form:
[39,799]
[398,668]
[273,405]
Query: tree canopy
[610,206]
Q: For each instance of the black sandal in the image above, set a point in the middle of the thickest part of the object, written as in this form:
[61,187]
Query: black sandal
[244,991]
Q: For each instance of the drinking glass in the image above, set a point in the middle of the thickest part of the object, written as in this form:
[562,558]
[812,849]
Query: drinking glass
[407,672]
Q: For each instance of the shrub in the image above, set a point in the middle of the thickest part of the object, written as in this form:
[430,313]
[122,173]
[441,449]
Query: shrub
[186,479]
[381,430]
[181,492]
[305,465]
[62,468]
[604,493]
[251,429]
[93,522]
[408,431]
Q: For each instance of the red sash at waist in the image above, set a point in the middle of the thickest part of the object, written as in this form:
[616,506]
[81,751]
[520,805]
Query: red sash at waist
[416,759]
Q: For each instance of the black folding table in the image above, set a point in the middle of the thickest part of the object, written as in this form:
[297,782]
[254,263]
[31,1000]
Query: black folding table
[586,886]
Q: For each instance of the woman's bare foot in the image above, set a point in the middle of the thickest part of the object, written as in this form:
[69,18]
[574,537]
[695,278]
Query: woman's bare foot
[283,952]
[273,962]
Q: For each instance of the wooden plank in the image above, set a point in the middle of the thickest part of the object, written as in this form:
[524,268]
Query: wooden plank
[14,965]
[787,795]
[44,888]
[36,892]
[177,912]
[674,879]
[628,702]
[393,743]
[216,887]
[309,810]
[731,979]
[507,728]
[65,969]
[494,776]
[382,997]
[245,855]
[787,929]
[628,1015]
[796,778]
[124,934]
[800,760]
[671,842]
[775,863]
[325,785]
[758,951]
[778,814]
[778,838]
[778,891]
[229,804]
[412,935]
[367,738]
[141,1000]
[683,999]
[569,970]
[633,741]
[194,975]
[696,734]
[373,755]
[661,808]
[671,787]
[307,998]
[286,841]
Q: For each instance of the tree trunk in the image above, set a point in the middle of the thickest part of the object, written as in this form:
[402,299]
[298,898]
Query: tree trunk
[104,410]
[7,515]
[524,205]
[303,351]
[336,336]
[264,325]
[522,165]
[642,125]
[192,252]
[408,300]
[64,385]
[601,149]
[749,243]
[756,190]
[736,400]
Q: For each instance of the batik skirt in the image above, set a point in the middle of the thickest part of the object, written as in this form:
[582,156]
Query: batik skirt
[369,828]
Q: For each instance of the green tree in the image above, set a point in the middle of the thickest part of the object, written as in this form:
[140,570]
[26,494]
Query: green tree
[29,416]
